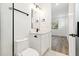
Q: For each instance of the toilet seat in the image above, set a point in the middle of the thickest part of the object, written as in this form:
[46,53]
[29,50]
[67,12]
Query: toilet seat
[29,52]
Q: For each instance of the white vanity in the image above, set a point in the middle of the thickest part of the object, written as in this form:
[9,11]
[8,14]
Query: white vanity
[40,42]
[40,33]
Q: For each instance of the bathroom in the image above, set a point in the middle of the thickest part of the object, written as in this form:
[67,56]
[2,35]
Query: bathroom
[38,29]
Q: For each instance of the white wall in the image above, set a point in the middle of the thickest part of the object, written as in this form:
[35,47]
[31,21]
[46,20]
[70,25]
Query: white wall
[6,29]
[21,21]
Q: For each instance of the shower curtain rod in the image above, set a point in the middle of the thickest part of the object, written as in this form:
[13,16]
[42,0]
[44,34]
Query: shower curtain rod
[19,11]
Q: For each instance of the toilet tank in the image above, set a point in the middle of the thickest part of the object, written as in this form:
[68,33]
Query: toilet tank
[21,45]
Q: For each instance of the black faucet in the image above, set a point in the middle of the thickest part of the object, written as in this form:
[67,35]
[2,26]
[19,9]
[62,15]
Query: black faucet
[37,30]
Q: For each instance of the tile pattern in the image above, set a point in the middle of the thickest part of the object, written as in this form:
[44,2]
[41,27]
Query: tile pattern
[54,53]
[60,44]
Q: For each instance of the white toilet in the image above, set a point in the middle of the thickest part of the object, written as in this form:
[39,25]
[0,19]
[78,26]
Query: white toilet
[22,48]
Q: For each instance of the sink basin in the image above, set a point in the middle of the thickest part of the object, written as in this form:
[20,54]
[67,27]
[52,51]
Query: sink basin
[39,32]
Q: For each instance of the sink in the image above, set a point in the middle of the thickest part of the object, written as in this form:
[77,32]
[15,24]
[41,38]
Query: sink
[39,32]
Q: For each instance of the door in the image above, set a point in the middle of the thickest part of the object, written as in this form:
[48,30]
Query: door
[77,20]
[72,29]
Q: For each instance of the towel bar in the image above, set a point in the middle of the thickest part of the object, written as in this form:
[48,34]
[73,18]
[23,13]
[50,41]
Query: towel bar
[19,11]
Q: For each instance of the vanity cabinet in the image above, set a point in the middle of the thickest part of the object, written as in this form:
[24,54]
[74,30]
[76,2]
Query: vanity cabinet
[34,42]
[40,42]
[45,40]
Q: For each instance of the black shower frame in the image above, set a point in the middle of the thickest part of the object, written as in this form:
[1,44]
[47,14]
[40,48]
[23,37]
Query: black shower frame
[13,24]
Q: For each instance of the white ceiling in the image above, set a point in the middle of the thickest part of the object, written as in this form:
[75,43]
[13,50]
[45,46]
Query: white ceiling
[59,9]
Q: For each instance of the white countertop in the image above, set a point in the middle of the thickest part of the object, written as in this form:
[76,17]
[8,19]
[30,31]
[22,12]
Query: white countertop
[39,32]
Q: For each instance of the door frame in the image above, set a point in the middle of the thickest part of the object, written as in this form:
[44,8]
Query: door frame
[72,29]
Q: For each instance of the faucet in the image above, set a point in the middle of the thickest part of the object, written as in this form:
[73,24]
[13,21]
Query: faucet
[37,30]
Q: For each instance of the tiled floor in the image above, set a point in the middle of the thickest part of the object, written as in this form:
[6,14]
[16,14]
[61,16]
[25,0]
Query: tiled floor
[60,44]
[54,53]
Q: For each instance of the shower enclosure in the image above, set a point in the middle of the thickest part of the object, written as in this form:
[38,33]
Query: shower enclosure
[31,23]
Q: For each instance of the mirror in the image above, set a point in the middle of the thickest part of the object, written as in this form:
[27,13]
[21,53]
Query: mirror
[35,23]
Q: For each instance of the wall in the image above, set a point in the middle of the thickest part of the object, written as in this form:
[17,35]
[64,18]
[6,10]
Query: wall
[21,21]
[6,29]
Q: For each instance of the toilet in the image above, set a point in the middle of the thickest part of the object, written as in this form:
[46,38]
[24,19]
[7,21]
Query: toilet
[22,48]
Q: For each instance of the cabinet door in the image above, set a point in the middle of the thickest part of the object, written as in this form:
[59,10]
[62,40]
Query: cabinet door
[45,42]
[34,42]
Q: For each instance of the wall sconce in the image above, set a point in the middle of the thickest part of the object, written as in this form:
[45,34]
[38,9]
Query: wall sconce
[37,6]
[34,5]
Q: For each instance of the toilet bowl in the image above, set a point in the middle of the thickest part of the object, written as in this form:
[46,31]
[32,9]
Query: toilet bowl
[29,52]
[22,48]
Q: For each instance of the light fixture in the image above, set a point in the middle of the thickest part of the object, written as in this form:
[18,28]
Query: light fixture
[34,5]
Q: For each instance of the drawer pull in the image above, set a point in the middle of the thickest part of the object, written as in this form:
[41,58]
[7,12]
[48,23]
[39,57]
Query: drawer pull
[35,36]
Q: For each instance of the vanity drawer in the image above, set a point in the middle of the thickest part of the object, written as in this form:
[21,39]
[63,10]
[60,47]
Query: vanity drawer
[34,42]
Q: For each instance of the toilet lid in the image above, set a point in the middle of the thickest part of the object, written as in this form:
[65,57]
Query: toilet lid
[29,52]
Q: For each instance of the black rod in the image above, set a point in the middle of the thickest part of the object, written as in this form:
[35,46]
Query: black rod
[20,11]
[12,29]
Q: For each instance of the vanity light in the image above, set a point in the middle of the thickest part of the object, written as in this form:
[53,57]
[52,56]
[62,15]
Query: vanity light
[37,6]
[34,5]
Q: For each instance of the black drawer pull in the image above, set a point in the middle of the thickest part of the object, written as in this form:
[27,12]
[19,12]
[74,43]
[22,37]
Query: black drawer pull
[35,36]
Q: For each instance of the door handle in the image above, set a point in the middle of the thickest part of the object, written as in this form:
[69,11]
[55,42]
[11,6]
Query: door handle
[73,35]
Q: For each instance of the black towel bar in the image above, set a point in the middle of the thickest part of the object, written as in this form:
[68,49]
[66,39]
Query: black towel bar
[19,11]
